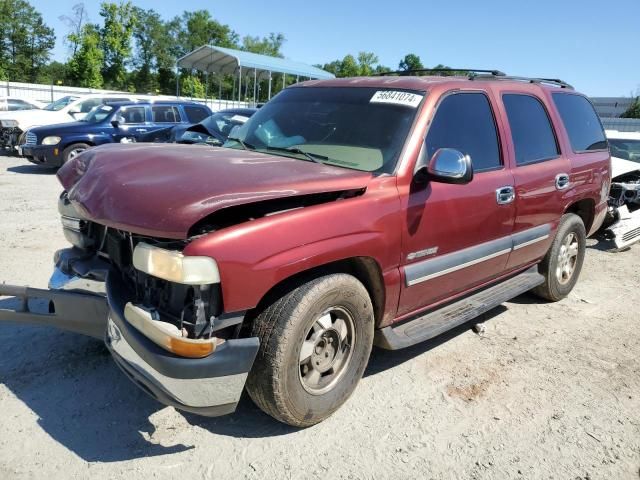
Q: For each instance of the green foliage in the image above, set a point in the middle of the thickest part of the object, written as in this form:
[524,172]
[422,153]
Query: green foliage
[25,40]
[85,67]
[195,29]
[410,61]
[54,73]
[633,111]
[365,64]
[115,41]
[192,87]
[269,45]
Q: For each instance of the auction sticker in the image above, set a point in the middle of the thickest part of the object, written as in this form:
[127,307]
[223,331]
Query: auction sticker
[397,98]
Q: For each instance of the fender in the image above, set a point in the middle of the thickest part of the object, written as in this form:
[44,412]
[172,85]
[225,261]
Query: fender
[255,256]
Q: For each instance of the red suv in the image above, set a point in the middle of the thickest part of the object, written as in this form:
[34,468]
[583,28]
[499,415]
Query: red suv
[344,214]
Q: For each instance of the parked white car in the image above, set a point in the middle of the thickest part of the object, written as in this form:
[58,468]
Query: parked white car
[624,195]
[12,104]
[65,110]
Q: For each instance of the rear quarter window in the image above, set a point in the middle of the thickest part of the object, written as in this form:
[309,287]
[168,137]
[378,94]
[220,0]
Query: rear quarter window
[581,122]
[195,114]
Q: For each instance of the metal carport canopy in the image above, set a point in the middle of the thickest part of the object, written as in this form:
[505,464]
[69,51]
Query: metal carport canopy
[213,59]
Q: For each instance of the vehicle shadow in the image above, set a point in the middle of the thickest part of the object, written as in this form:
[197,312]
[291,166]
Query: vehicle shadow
[85,403]
[32,169]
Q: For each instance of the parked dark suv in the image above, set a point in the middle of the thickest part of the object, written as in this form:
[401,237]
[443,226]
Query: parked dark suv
[117,122]
[343,214]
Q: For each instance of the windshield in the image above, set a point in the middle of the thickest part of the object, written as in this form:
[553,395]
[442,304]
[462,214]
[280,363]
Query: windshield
[223,122]
[352,127]
[98,114]
[60,104]
[626,149]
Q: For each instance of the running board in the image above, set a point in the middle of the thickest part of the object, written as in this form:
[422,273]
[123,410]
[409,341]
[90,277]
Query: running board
[461,311]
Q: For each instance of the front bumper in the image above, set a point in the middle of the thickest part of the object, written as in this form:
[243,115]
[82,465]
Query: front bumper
[209,386]
[49,155]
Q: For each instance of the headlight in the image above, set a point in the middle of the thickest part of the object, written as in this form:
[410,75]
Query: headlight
[174,266]
[51,141]
[9,123]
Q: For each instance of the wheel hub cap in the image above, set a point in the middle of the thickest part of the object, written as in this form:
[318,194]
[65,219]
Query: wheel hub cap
[567,258]
[326,350]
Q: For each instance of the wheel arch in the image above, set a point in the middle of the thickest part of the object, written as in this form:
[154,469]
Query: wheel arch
[365,269]
[585,209]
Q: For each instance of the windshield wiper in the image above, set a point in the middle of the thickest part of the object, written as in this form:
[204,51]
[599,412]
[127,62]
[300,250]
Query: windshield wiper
[245,145]
[314,157]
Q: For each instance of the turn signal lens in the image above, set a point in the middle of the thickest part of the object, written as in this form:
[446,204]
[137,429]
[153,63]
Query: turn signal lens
[167,335]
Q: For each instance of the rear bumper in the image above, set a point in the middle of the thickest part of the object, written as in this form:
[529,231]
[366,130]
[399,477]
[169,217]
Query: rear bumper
[50,156]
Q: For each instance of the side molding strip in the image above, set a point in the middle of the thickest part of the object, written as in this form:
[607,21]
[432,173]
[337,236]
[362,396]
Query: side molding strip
[435,267]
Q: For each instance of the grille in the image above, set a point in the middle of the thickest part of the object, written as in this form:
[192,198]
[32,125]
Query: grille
[635,233]
[31,139]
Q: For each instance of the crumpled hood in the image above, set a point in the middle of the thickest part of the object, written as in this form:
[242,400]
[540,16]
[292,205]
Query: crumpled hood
[162,190]
[620,166]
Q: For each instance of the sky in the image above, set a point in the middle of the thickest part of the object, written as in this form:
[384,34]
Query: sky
[592,44]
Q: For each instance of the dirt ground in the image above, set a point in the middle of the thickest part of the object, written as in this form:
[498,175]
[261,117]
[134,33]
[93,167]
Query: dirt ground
[547,391]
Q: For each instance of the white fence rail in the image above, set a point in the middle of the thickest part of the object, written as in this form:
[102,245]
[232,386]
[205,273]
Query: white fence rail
[50,93]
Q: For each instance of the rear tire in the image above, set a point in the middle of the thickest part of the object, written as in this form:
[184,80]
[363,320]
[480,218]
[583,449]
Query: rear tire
[72,150]
[315,343]
[562,264]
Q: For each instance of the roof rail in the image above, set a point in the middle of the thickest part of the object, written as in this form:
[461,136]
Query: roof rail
[479,74]
[468,71]
[549,81]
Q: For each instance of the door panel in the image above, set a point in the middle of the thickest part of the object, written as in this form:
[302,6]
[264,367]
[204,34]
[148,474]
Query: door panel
[469,232]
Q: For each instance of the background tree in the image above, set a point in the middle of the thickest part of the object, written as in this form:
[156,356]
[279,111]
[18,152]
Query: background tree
[115,41]
[25,40]
[85,67]
[410,61]
[633,111]
[365,64]
[269,45]
[75,22]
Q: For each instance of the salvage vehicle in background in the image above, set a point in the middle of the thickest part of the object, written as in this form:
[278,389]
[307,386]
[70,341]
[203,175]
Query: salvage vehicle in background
[12,104]
[623,221]
[112,122]
[344,213]
[64,110]
[213,130]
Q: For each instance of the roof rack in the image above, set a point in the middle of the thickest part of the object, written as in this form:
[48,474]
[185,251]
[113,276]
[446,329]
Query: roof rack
[480,74]
[468,71]
[549,81]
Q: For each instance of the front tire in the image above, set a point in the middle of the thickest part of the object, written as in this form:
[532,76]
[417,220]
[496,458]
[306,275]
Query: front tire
[315,343]
[72,151]
[562,264]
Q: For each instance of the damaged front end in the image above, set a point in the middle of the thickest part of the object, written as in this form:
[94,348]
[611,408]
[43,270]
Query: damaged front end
[623,223]
[159,312]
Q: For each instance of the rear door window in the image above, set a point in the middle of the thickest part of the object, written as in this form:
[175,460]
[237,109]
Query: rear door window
[88,105]
[132,115]
[531,130]
[165,114]
[465,122]
[582,124]
[195,114]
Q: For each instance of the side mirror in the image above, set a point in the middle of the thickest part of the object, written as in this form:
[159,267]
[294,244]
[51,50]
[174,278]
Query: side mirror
[447,165]
[117,121]
[73,113]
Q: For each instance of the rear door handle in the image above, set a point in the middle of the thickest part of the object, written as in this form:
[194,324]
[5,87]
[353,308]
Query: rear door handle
[505,195]
[562,181]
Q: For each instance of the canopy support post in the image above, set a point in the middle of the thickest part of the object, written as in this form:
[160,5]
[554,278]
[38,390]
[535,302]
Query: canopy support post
[219,90]
[206,87]
[177,82]
[239,84]
[255,85]
[269,96]
[284,80]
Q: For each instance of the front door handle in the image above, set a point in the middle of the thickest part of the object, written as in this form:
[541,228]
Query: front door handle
[505,195]
[562,181]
